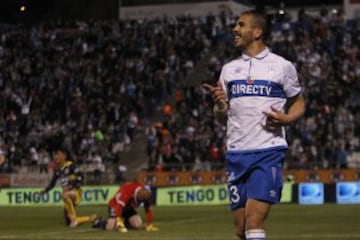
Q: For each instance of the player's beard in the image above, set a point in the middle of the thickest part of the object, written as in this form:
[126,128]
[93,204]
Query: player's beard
[245,38]
[244,42]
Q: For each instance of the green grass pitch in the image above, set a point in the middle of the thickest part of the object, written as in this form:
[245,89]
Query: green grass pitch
[286,221]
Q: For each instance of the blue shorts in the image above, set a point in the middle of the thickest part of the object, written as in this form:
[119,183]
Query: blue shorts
[255,175]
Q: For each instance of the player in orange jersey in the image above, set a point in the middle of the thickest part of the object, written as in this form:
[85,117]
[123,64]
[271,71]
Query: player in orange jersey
[122,209]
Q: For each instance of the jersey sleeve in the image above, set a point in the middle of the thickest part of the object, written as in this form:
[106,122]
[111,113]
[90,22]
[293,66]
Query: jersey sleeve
[223,83]
[292,85]
[52,182]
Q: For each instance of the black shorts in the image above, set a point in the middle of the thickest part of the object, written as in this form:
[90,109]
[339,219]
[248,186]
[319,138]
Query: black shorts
[127,213]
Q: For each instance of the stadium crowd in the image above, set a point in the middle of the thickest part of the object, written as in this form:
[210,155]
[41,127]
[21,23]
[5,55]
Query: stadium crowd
[91,84]
[88,84]
[325,51]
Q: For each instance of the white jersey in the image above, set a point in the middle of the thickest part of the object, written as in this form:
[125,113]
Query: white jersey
[254,85]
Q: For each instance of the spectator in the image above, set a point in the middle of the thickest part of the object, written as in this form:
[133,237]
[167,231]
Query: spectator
[97,166]
[342,155]
[44,160]
[34,159]
[132,125]
[2,160]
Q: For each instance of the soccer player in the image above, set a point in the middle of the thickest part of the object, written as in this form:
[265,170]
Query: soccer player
[257,94]
[70,179]
[122,209]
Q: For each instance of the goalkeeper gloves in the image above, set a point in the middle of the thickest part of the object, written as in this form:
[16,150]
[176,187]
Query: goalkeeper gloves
[151,228]
[120,227]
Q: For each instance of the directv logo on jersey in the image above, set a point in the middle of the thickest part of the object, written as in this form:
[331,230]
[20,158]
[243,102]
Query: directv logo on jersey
[250,89]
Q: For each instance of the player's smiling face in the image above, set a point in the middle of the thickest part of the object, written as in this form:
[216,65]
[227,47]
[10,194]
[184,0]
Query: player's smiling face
[244,32]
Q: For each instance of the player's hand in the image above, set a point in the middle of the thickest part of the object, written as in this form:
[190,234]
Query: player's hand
[151,228]
[275,119]
[217,92]
[120,227]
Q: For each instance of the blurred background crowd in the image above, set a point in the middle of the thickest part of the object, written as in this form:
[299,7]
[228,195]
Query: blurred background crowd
[325,51]
[96,85]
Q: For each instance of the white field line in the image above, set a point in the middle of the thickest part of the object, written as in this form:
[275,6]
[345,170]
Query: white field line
[55,236]
[185,220]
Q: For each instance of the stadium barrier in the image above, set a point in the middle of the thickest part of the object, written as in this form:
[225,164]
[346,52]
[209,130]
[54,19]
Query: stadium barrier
[320,193]
[92,195]
[303,193]
[186,178]
[100,195]
[203,195]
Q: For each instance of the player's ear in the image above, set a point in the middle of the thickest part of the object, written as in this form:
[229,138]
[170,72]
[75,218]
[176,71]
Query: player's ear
[258,32]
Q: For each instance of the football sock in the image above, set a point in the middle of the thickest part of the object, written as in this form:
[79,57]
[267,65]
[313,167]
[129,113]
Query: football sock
[69,206]
[81,220]
[255,234]
[99,223]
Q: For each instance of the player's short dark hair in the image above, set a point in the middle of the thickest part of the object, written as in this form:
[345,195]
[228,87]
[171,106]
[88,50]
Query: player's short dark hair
[260,20]
[64,149]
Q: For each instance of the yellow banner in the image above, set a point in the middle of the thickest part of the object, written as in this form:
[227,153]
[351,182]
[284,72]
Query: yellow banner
[286,195]
[192,195]
[204,195]
[31,197]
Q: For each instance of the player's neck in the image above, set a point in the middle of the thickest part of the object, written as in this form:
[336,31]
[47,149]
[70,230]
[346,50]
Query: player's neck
[62,163]
[254,49]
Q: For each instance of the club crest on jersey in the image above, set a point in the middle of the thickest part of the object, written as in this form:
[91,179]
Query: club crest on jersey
[230,176]
[249,80]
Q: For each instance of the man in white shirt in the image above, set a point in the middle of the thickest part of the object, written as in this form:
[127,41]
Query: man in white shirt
[257,95]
